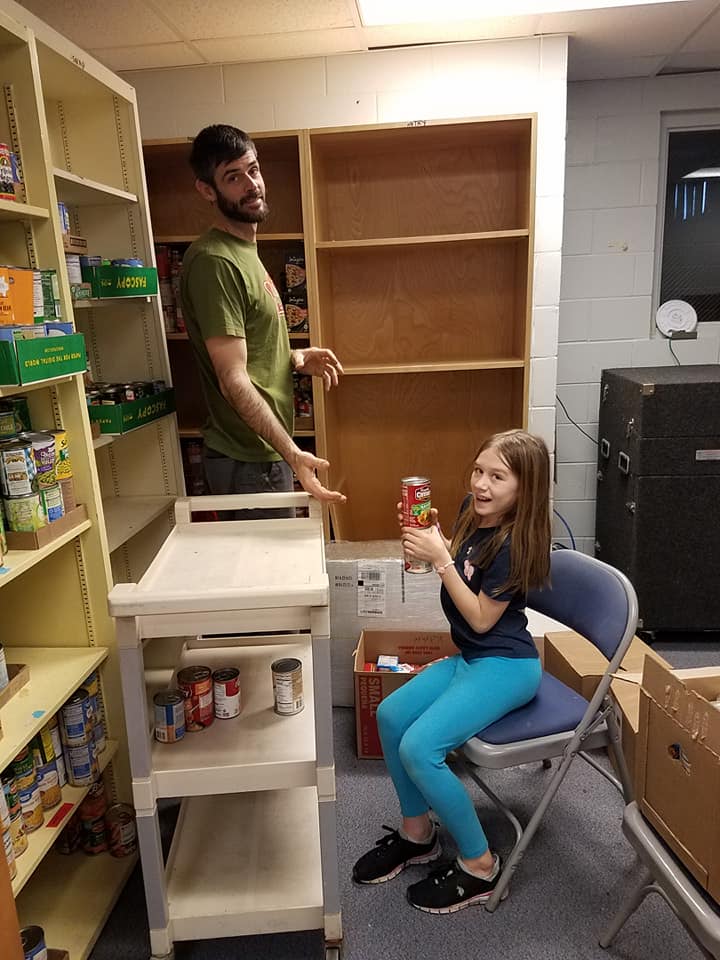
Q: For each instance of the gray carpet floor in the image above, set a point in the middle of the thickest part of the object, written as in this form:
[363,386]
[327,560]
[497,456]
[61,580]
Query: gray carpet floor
[566,889]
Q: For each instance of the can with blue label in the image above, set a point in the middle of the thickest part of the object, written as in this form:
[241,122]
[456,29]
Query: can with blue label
[33,943]
[169,716]
[126,262]
[81,764]
[77,718]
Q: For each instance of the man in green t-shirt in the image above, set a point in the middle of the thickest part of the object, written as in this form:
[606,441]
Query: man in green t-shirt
[236,325]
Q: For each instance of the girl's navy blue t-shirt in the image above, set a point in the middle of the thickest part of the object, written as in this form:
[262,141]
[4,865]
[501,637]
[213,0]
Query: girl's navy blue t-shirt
[509,637]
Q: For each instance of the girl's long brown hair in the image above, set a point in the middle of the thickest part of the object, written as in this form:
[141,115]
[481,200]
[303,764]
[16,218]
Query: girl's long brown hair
[528,524]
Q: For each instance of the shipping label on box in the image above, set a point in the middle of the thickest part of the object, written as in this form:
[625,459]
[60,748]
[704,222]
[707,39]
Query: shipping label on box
[679,765]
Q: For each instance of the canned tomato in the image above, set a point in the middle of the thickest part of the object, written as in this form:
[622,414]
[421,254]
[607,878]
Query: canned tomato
[195,684]
[17,469]
[169,716]
[287,686]
[415,493]
[95,803]
[226,692]
[122,833]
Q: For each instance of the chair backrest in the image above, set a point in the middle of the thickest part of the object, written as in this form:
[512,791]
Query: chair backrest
[590,597]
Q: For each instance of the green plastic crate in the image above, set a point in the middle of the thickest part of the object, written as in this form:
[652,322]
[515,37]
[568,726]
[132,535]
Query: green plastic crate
[29,361]
[121,417]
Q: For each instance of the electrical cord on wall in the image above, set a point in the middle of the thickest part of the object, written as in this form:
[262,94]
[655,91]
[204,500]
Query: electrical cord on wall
[567,527]
[574,423]
[677,361]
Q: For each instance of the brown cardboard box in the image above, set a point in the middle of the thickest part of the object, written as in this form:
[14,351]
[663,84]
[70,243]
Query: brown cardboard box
[679,765]
[371,688]
[580,665]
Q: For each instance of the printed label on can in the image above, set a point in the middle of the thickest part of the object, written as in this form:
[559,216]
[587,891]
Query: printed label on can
[169,717]
[195,684]
[25,514]
[76,719]
[416,502]
[288,686]
[82,766]
[17,469]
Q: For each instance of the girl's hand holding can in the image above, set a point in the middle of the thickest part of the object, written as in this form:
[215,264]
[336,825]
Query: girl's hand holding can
[425,543]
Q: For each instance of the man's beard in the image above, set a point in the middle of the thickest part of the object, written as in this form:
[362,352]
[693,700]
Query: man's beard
[234,210]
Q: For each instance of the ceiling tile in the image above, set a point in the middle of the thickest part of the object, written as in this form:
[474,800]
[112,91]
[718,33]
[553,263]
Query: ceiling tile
[312,43]
[93,24]
[708,38]
[151,55]
[451,31]
[215,19]
[610,69]
[695,62]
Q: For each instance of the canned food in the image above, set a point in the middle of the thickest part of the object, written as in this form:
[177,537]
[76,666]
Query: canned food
[41,747]
[17,469]
[195,684]
[226,692]
[74,269]
[52,501]
[76,719]
[49,785]
[4,812]
[63,465]
[169,716]
[18,833]
[141,389]
[69,840]
[287,686]
[54,729]
[95,803]
[7,187]
[99,737]
[43,453]
[94,835]
[93,398]
[8,427]
[111,395]
[64,217]
[126,262]
[81,764]
[9,852]
[25,513]
[10,792]
[128,392]
[33,943]
[31,803]
[23,768]
[68,494]
[120,821]
[158,386]
[415,493]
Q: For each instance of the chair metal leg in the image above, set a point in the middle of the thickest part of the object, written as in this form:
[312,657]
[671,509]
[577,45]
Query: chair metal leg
[600,769]
[616,747]
[629,905]
[493,797]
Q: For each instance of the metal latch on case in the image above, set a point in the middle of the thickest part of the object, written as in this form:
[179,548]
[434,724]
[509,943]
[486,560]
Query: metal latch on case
[605,449]
[623,463]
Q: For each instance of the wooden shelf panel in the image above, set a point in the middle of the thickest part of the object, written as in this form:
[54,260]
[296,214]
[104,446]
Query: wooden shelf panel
[17,562]
[14,210]
[106,302]
[501,363]
[454,304]
[425,240]
[257,750]
[439,179]
[125,517]
[40,841]
[246,864]
[73,912]
[80,192]
[428,424]
[55,672]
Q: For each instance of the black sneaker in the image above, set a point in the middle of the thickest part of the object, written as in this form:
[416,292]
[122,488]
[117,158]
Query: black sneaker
[391,854]
[449,888]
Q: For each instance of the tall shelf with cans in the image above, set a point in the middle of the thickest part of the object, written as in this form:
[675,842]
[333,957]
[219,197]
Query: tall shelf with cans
[73,128]
[179,216]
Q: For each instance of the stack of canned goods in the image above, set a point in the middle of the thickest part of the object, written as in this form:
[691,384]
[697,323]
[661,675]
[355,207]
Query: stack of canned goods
[35,479]
[201,696]
[82,730]
[111,393]
[98,826]
[31,784]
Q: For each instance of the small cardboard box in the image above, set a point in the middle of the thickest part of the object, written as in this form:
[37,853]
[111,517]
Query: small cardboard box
[679,765]
[35,539]
[111,281]
[72,244]
[121,417]
[371,688]
[30,361]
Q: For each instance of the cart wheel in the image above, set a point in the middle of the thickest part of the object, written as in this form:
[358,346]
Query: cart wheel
[547,764]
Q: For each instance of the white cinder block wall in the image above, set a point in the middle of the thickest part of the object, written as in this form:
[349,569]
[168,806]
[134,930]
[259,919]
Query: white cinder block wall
[606,308]
[435,82]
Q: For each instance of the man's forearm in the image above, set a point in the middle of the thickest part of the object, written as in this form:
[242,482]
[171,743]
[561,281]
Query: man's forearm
[253,409]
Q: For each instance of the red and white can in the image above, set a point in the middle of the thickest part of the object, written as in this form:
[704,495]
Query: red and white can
[226,691]
[416,502]
[195,684]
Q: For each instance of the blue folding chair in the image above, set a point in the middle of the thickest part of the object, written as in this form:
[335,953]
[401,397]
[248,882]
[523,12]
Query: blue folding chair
[598,602]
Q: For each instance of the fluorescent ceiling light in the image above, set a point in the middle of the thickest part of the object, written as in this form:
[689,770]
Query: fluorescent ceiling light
[704,173]
[376,13]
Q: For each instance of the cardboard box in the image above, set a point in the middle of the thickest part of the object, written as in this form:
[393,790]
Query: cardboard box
[18,674]
[111,281]
[679,768]
[35,539]
[16,296]
[580,665]
[121,417]
[371,688]
[30,361]
[72,244]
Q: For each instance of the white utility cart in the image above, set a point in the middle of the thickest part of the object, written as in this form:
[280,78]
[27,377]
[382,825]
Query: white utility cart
[254,850]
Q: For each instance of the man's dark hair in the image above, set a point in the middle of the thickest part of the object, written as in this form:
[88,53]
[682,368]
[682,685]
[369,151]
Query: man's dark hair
[217,144]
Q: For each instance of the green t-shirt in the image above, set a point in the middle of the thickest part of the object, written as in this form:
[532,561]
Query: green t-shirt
[226,291]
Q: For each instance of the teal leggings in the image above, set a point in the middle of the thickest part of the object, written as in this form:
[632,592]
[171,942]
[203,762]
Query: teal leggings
[440,709]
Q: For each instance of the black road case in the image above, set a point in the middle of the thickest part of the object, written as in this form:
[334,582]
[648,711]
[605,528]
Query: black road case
[658,491]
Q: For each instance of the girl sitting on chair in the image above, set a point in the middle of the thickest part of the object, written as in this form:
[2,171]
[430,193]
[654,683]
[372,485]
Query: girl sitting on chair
[499,550]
